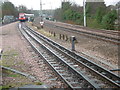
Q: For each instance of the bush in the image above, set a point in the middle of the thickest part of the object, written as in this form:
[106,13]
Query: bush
[92,23]
[109,19]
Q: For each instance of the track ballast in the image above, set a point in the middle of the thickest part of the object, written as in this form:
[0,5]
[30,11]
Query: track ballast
[75,71]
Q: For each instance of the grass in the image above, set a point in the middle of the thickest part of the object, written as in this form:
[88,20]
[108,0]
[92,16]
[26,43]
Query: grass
[10,74]
[47,34]
[7,73]
[13,75]
[17,80]
[9,57]
[38,83]
[12,79]
[0,87]
[7,87]
[92,23]
[42,31]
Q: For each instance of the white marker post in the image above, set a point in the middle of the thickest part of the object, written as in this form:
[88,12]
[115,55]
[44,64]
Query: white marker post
[84,13]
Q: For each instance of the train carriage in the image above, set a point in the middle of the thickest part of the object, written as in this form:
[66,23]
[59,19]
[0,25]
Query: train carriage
[22,17]
[8,19]
[26,17]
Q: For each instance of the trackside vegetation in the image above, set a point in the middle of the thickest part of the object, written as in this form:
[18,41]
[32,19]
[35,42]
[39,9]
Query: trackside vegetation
[99,16]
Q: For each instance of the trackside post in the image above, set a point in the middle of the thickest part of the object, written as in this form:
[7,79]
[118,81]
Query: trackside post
[73,38]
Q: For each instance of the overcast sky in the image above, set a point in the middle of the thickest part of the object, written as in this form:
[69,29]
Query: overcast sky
[48,4]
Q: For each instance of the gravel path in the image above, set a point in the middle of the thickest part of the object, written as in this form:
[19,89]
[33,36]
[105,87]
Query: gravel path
[24,59]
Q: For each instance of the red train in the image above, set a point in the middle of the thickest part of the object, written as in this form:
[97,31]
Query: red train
[22,17]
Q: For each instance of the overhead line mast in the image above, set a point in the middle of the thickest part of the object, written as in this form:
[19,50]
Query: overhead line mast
[84,13]
[41,10]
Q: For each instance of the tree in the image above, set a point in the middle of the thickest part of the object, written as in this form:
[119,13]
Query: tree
[100,13]
[91,7]
[109,19]
[68,14]
[66,5]
[0,9]
[57,14]
[118,13]
[8,9]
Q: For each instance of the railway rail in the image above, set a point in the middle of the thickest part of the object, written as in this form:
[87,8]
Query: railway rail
[109,36]
[111,32]
[75,71]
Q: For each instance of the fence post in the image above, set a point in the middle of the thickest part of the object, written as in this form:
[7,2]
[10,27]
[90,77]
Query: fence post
[54,34]
[60,36]
[66,38]
[63,36]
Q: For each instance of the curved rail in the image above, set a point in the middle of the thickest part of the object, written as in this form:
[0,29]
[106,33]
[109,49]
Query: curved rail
[81,67]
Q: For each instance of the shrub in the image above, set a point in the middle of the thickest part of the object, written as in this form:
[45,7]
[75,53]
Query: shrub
[109,19]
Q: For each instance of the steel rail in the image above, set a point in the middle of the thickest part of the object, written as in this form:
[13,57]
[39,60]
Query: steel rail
[75,62]
[75,55]
[101,74]
[39,53]
[61,59]
[93,35]
[89,63]
[57,58]
[111,32]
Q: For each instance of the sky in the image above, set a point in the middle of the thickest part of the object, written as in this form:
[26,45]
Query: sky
[51,4]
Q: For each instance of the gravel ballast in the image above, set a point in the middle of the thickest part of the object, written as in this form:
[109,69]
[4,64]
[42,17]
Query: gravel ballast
[101,52]
[19,55]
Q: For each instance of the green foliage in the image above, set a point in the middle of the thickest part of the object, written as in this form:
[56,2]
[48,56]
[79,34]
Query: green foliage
[92,23]
[79,21]
[38,83]
[97,13]
[9,9]
[100,13]
[73,16]
[7,87]
[109,19]
[0,10]
[88,10]
[76,15]
[68,12]
[66,6]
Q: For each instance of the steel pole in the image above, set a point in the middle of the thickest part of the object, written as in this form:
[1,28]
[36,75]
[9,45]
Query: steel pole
[41,9]
[84,13]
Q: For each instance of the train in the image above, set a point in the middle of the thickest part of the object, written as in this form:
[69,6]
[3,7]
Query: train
[22,17]
[8,19]
[26,17]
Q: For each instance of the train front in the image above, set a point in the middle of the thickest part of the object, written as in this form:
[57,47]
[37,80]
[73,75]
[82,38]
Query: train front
[22,17]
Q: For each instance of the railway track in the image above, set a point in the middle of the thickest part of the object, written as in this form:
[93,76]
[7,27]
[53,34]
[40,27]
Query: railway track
[111,32]
[75,71]
[73,29]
